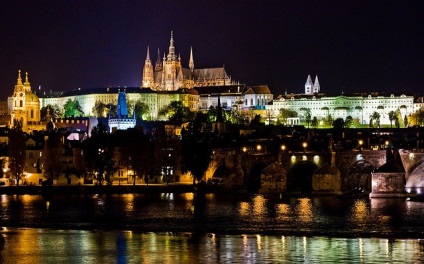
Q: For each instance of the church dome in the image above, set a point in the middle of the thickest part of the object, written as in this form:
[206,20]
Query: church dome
[31,97]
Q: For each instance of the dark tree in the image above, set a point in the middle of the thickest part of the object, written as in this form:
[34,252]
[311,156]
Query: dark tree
[195,150]
[17,152]
[308,117]
[52,156]
[314,122]
[348,121]
[339,123]
[141,110]
[136,153]
[98,152]
[392,118]
[50,110]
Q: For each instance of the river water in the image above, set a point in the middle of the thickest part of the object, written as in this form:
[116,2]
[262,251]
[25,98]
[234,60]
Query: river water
[176,228]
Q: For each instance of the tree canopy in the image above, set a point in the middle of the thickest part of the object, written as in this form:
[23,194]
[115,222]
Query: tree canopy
[177,112]
[72,108]
[53,110]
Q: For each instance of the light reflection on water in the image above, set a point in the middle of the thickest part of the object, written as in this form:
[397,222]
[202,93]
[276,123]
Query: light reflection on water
[328,216]
[75,246]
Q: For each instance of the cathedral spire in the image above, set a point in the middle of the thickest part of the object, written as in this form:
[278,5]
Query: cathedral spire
[148,54]
[148,78]
[26,78]
[316,85]
[19,81]
[191,62]
[158,65]
[308,85]
[171,54]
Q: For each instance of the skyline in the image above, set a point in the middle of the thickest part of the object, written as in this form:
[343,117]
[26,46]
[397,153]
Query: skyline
[352,46]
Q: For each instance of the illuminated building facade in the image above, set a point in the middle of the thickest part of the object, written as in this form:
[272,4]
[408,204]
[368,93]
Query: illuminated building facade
[360,106]
[169,75]
[24,106]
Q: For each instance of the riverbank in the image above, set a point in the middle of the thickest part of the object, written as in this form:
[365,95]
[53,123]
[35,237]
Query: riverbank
[104,189]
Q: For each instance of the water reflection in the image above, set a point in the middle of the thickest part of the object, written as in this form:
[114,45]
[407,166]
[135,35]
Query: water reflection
[303,210]
[218,214]
[68,246]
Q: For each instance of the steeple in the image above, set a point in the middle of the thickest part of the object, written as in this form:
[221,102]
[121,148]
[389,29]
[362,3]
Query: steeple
[147,79]
[171,54]
[191,62]
[148,55]
[19,81]
[308,85]
[158,65]
[27,86]
[316,85]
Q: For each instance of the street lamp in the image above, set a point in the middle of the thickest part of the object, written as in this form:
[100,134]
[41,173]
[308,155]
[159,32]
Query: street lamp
[258,147]
[283,147]
[304,145]
[360,142]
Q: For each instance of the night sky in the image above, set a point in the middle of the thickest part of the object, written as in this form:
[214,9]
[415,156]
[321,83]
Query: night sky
[352,45]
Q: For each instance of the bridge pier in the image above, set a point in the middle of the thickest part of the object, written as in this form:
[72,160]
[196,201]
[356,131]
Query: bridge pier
[385,185]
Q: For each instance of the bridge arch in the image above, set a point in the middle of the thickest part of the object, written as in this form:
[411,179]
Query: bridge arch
[254,177]
[358,176]
[416,178]
[299,179]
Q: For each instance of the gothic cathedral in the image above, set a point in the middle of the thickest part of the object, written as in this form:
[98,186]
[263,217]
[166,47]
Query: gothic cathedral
[169,75]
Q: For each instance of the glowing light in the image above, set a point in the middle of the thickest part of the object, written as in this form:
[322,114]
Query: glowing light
[283,147]
[316,159]
[304,157]
[258,147]
[188,196]
[411,156]
[408,190]
[244,149]
[419,190]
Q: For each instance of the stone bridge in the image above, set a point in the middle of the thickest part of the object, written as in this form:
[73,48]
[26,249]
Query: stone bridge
[312,172]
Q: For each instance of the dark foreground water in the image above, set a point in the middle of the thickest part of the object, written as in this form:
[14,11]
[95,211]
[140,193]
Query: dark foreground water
[171,228]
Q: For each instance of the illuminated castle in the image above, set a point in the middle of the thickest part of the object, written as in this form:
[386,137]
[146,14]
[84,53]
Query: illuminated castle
[169,75]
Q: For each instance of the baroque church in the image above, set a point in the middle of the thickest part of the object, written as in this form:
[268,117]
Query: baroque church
[170,75]
[24,106]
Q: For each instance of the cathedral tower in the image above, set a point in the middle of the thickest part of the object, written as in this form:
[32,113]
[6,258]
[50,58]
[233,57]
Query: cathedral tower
[316,85]
[171,67]
[308,85]
[148,80]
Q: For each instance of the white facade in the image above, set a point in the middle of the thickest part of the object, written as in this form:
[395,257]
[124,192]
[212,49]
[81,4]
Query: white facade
[359,106]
